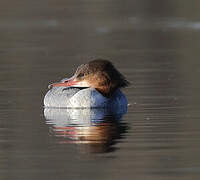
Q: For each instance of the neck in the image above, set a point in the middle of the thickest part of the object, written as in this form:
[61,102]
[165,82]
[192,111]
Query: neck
[105,92]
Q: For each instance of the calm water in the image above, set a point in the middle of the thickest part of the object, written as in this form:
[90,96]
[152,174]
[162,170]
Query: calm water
[155,44]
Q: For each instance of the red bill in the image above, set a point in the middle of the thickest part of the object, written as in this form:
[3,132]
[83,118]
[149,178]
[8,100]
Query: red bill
[64,84]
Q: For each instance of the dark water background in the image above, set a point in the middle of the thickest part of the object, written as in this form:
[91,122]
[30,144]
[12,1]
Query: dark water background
[155,44]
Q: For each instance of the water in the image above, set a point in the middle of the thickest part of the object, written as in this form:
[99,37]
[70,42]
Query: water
[154,44]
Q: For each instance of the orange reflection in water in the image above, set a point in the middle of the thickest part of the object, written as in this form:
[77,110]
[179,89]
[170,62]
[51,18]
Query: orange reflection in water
[90,135]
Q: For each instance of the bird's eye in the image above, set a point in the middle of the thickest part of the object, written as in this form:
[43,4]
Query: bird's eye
[80,75]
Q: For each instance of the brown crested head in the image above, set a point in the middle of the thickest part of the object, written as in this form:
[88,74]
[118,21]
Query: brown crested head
[101,75]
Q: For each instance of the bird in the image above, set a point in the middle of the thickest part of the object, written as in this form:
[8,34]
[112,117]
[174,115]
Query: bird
[95,84]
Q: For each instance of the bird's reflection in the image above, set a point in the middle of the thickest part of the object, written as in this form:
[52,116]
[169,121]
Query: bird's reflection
[93,130]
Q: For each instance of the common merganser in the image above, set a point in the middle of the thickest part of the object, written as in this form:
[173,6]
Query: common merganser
[94,85]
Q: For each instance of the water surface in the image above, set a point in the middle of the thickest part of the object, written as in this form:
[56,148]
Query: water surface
[154,44]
